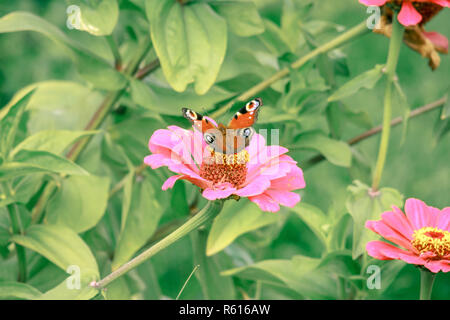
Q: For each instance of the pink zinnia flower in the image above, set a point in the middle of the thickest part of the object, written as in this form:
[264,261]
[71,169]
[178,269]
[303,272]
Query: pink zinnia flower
[264,174]
[423,235]
[409,9]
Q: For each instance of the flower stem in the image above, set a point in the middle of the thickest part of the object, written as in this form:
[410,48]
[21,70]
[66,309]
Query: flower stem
[426,284]
[391,66]
[354,32]
[205,215]
[17,228]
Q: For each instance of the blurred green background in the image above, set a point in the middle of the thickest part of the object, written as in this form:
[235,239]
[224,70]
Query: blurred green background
[418,167]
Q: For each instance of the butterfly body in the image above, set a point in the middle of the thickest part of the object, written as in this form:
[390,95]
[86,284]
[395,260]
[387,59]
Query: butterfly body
[232,138]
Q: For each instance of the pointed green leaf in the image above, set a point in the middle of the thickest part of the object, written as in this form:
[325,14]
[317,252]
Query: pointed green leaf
[366,80]
[335,151]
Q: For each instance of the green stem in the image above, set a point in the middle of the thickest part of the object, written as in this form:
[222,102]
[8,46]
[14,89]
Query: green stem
[426,284]
[356,31]
[115,51]
[17,228]
[391,66]
[205,215]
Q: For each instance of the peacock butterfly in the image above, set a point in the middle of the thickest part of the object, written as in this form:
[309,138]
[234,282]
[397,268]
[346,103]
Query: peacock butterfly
[232,138]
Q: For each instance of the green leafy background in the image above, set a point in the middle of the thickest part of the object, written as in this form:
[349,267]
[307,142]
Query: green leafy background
[53,79]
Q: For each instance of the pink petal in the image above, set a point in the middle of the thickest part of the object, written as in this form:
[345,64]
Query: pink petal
[257,144]
[397,220]
[265,202]
[266,154]
[169,183]
[417,212]
[155,160]
[408,15]
[255,187]
[385,251]
[439,41]
[373,2]
[285,198]
[388,233]
[444,219]
[438,265]
[434,217]
[292,181]
[219,191]
[275,168]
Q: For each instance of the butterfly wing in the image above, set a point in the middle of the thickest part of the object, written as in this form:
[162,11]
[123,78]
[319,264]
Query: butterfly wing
[247,115]
[197,120]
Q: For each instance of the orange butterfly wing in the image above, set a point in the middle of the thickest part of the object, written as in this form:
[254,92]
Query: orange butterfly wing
[197,120]
[247,115]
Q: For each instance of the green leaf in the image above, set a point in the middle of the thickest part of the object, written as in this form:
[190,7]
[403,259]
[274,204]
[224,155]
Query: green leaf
[62,292]
[98,17]
[10,122]
[91,67]
[190,41]
[54,141]
[60,245]
[64,248]
[366,80]
[335,151]
[234,220]
[132,136]
[364,205]
[166,101]
[314,218]
[341,263]
[147,205]
[27,162]
[58,105]
[17,290]
[214,286]
[242,16]
[80,203]
[300,274]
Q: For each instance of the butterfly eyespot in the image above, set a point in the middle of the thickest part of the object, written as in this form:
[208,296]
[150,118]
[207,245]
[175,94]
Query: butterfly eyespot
[252,105]
[209,138]
[247,132]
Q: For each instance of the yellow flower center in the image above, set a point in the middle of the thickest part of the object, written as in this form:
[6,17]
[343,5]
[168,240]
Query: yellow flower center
[231,168]
[435,240]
